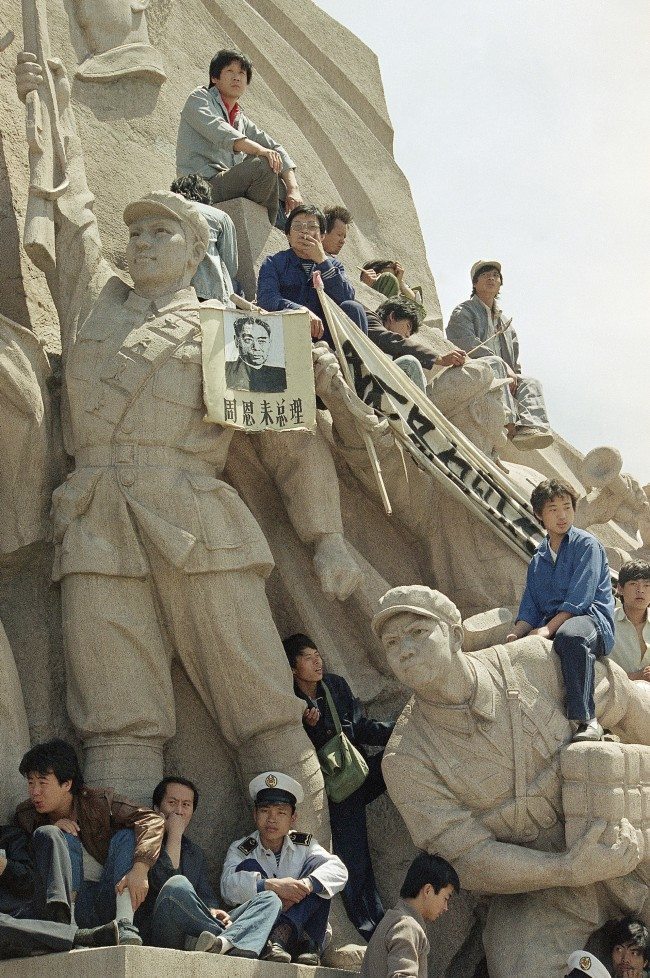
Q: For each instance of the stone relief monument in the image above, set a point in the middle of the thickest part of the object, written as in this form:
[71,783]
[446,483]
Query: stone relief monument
[117,38]
[474,769]
[176,560]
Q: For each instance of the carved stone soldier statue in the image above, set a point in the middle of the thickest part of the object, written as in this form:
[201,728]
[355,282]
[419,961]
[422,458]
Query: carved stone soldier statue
[118,41]
[474,769]
[156,555]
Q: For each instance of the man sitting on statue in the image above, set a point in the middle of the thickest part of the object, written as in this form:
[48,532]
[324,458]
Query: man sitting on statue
[285,279]
[477,325]
[632,620]
[568,598]
[181,909]
[277,858]
[94,846]
[236,157]
[393,327]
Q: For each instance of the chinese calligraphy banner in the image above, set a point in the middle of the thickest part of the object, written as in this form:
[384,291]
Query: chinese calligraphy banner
[434,443]
[257,369]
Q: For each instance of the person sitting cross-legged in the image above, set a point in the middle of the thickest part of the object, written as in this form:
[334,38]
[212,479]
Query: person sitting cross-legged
[181,910]
[285,279]
[109,842]
[393,327]
[277,858]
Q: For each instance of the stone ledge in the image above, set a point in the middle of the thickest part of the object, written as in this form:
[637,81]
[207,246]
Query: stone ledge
[152,962]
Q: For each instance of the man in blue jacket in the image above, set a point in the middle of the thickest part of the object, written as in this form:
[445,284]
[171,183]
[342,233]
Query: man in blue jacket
[285,279]
[568,598]
[181,910]
[347,818]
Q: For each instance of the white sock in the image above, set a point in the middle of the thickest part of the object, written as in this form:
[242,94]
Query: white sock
[225,944]
[123,906]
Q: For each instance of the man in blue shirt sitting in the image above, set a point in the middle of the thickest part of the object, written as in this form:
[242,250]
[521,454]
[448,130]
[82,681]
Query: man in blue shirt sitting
[285,279]
[568,598]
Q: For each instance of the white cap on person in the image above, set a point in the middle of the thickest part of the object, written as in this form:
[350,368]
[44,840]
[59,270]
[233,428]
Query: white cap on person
[587,964]
[273,787]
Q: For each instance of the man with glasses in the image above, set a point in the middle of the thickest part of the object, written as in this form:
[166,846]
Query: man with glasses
[478,325]
[285,279]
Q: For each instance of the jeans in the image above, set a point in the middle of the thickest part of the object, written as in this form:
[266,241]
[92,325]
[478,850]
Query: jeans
[180,913]
[578,642]
[95,903]
[413,369]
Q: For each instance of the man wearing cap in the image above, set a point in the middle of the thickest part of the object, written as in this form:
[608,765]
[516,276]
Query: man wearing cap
[583,963]
[473,767]
[275,857]
[473,326]
[156,555]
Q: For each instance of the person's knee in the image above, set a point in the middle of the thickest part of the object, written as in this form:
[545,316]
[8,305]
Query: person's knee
[176,888]
[271,900]
[356,312]
[262,174]
[48,835]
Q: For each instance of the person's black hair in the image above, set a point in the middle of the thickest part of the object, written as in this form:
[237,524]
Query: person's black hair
[239,324]
[401,309]
[428,868]
[225,57]
[634,570]
[192,187]
[161,788]
[550,489]
[334,214]
[486,268]
[629,932]
[378,265]
[295,644]
[56,757]
[309,209]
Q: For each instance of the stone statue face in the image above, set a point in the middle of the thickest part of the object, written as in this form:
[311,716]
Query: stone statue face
[488,413]
[108,23]
[158,253]
[253,344]
[416,647]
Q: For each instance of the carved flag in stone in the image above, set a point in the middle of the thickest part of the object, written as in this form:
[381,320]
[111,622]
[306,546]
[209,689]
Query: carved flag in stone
[257,369]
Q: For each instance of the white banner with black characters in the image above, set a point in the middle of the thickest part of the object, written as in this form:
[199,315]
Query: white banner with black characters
[434,443]
[257,369]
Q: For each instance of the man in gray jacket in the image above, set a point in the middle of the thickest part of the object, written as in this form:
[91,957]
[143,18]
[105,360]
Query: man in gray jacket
[237,158]
[478,325]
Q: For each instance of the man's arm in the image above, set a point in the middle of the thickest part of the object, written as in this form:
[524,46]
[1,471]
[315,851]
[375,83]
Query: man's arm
[17,874]
[335,281]
[591,572]
[395,345]
[405,942]
[149,829]
[269,287]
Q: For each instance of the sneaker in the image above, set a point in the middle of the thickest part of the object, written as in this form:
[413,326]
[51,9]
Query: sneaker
[206,941]
[526,438]
[105,936]
[587,732]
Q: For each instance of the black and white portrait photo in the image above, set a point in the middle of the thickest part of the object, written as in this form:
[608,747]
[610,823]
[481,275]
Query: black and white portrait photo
[259,365]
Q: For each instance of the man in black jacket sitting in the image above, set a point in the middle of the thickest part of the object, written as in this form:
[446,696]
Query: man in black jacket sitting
[347,818]
[181,910]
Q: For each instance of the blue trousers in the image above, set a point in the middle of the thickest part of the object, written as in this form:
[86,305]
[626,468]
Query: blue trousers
[578,643]
[355,311]
[21,929]
[179,913]
[312,913]
[96,900]
[350,843]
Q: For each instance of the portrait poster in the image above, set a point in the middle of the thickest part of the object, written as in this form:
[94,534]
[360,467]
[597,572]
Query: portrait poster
[257,369]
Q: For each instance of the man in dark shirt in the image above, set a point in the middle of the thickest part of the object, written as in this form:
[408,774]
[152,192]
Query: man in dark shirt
[181,910]
[347,818]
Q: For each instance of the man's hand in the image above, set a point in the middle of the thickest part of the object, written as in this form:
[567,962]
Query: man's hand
[273,158]
[315,325]
[399,272]
[292,199]
[313,247]
[454,359]
[68,825]
[137,882]
[590,861]
[174,826]
[641,674]
[369,276]
[221,916]
[290,891]
[311,716]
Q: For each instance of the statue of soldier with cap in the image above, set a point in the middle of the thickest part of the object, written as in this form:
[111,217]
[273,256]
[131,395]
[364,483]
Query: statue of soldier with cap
[156,555]
[292,864]
[474,768]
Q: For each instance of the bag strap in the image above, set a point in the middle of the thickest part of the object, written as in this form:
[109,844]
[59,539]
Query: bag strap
[332,708]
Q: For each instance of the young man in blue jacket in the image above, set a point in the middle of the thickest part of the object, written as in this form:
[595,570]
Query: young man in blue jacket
[568,598]
[285,279]
[347,818]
